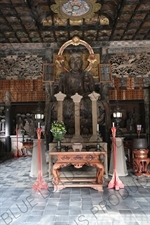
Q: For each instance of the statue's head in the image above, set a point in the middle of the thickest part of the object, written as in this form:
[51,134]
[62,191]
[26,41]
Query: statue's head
[75,61]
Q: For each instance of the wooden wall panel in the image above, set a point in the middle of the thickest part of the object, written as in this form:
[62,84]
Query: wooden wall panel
[22,90]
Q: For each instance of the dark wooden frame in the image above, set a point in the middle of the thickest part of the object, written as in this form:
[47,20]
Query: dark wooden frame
[105,73]
[48,72]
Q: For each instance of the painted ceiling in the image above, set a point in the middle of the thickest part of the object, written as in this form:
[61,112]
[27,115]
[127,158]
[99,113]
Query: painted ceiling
[48,21]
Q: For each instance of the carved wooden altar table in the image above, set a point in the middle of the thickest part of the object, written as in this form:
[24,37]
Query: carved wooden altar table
[26,145]
[78,160]
[92,147]
[141,162]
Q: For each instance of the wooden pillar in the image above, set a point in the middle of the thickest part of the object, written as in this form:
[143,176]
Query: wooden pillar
[60,98]
[94,97]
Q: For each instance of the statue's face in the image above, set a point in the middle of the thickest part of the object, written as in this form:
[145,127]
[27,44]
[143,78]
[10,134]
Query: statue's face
[76,63]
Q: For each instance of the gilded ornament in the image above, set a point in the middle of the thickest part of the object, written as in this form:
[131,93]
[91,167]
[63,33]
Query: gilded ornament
[76,41]
[76,22]
[103,20]
[75,9]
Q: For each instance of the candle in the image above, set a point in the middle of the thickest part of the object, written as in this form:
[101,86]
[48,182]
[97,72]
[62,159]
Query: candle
[113,124]
[97,127]
[38,124]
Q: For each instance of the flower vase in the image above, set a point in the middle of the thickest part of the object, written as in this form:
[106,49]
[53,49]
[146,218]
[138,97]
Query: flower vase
[59,145]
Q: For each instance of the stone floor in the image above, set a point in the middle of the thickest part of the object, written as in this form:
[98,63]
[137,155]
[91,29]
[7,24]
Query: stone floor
[21,205]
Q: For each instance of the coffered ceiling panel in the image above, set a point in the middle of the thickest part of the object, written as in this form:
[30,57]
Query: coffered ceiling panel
[23,21]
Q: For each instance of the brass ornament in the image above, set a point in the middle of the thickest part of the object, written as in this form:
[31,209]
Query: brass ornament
[75,22]
[103,20]
[47,21]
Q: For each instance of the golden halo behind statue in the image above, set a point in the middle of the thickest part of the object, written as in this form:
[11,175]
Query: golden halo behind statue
[75,41]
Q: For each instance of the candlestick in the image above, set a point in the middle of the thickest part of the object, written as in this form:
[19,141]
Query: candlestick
[98,127]
[39,183]
[115,181]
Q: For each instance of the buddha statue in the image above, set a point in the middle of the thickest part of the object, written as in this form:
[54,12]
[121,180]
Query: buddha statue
[81,82]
